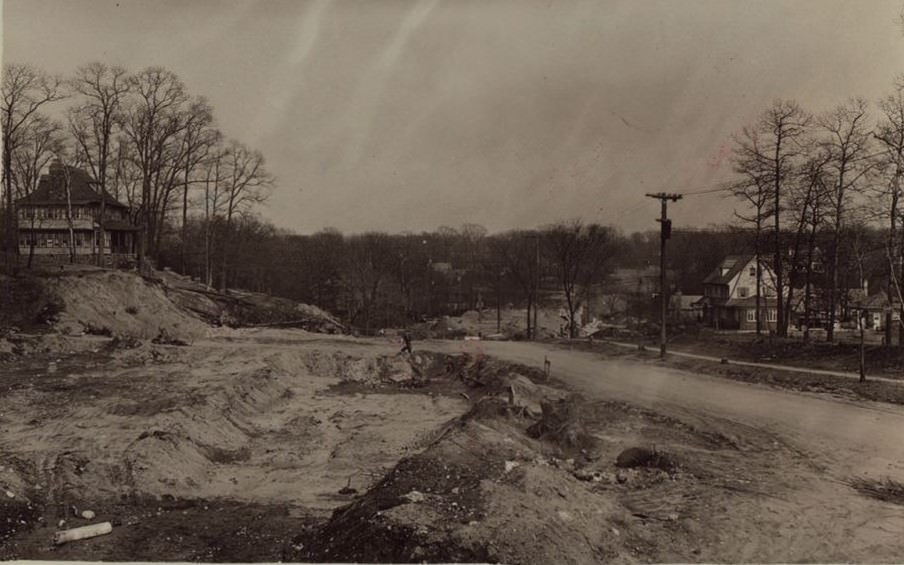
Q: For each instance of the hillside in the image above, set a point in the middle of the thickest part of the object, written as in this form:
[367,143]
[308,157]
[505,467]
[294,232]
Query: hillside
[109,302]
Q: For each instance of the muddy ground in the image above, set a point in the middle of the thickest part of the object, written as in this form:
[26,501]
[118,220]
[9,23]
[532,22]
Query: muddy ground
[266,445]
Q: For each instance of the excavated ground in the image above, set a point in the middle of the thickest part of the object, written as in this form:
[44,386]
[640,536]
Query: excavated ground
[163,439]
[267,445]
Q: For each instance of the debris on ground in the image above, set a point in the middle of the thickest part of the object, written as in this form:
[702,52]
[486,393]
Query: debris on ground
[82,532]
[564,424]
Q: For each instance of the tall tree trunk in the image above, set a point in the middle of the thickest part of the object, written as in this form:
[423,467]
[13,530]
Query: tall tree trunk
[68,181]
[185,216]
[781,327]
[833,288]
[892,261]
[10,247]
[759,278]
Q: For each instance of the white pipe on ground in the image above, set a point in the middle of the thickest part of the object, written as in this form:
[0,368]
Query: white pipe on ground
[83,532]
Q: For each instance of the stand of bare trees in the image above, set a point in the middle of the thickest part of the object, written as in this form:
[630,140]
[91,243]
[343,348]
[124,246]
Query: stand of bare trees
[142,137]
[823,181]
[25,91]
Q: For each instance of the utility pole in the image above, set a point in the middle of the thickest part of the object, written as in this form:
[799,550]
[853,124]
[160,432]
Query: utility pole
[537,290]
[665,232]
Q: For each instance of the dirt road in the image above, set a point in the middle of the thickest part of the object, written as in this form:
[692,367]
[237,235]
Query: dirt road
[815,514]
[861,437]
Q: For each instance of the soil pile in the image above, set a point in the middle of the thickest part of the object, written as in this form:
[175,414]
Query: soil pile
[167,307]
[502,484]
[241,309]
[120,303]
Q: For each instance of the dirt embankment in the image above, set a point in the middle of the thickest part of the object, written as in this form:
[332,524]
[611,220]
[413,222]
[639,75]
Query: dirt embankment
[236,308]
[166,306]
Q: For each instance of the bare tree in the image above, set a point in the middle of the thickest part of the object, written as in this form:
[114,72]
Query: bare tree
[756,190]
[846,139]
[153,124]
[25,90]
[368,262]
[102,91]
[579,253]
[807,199]
[771,147]
[213,207]
[515,252]
[890,164]
[199,142]
[41,143]
[245,182]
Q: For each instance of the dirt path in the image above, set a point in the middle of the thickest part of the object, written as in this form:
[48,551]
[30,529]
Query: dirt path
[816,516]
[865,437]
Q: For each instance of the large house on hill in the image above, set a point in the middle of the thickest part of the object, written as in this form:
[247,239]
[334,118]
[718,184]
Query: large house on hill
[48,216]
[729,294]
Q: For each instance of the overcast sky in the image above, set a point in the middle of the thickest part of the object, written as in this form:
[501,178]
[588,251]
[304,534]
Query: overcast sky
[407,115]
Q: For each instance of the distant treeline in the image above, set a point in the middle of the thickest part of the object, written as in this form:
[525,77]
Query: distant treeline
[376,280]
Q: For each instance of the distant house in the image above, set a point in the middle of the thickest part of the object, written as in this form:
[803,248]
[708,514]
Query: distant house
[48,216]
[875,307]
[686,307]
[729,294]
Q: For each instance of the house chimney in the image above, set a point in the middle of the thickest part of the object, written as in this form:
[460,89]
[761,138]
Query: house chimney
[56,167]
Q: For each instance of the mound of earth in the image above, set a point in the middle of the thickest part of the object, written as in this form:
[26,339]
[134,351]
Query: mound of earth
[167,307]
[500,484]
[116,302]
[240,309]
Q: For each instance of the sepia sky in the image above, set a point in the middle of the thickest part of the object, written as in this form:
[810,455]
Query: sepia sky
[407,115]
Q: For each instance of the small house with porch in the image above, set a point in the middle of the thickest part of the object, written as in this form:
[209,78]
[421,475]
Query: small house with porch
[67,219]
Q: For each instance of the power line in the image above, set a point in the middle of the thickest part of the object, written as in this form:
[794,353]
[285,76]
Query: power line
[723,187]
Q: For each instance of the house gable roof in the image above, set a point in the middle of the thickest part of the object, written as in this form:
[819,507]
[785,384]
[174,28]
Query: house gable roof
[731,266]
[52,189]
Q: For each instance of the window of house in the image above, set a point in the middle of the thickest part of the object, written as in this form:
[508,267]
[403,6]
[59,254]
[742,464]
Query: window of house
[771,315]
[752,271]
[743,292]
[751,315]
